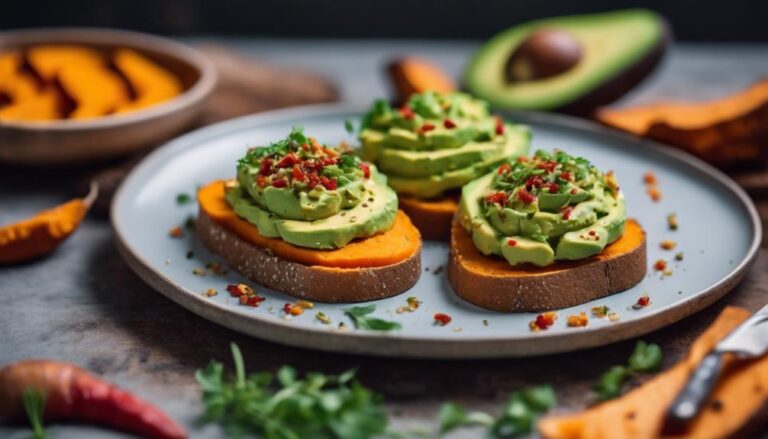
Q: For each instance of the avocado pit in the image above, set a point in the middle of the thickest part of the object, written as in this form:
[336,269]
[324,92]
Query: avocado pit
[543,54]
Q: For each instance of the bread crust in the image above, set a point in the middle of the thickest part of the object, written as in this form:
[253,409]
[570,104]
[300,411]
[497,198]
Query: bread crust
[432,217]
[489,282]
[310,282]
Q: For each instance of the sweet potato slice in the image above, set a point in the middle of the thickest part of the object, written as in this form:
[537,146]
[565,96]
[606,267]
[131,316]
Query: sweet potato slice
[152,83]
[432,217]
[707,129]
[734,405]
[95,90]
[23,98]
[397,244]
[416,75]
[490,282]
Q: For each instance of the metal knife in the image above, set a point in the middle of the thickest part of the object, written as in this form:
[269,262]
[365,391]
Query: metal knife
[748,340]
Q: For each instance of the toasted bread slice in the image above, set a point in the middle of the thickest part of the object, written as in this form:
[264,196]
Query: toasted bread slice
[432,217]
[490,282]
[381,266]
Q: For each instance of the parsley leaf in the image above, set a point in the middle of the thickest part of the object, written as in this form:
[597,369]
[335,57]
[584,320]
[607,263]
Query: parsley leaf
[317,406]
[349,126]
[34,405]
[183,198]
[452,416]
[646,357]
[359,316]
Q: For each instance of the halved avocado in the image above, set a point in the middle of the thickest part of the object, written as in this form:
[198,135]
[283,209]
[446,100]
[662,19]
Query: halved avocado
[584,61]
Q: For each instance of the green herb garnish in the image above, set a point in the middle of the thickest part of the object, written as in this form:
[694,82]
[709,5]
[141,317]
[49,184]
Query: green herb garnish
[318,406]
[517,418]
[349,126]
[646,358]
[34,405]
[359,316]
[182,199]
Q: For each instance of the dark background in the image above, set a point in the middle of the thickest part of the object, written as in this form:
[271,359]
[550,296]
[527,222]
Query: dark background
[727,21]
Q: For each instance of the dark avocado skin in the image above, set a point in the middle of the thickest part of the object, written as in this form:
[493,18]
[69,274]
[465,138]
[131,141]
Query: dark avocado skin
[622,83]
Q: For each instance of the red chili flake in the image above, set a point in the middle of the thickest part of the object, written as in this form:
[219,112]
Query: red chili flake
[288,161]
[328,183]
[548,165]
[534,181]
[525,196]
[543,321]
[238,290]
[243,299]
[314,180]
[328,161]
[261,181]
[406,112]
[448,123]
[296,173]
[176,232]
[649,178]
[553,187]
[522,159]
[511,242]
[497,197]
[660,265]
[592,233]
[565,175]
[442,319]
[305,146]
[280,182]
[654,193]
[566,212]
[504,168]
[287,308]
[499,125]
[265,167]
[253,300]
[366,170]
[574,191]
[426,127]
[642,302]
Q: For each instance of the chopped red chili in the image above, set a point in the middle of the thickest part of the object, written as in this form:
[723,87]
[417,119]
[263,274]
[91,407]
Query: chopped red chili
[442,319]
[281,182]
[497,197]
[499,126]
[566,176]
[406,112]
[426,127]
[543,321]
[366,170]
[296,173]
[660,265]
[288,161]
[504,168]
[511,242]
[525,196]
[566,212]
[553,187]
[448,123]
[643,301]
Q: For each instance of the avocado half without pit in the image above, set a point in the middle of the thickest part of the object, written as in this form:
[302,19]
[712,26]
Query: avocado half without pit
[569,64]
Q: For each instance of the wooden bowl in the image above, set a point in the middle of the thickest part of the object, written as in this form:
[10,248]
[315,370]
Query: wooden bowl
[62,142]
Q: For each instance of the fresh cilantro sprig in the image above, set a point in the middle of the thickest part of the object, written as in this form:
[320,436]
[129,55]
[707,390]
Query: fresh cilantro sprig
[361,319]
[318,406]
[34,405]
[518,417]
[646,358]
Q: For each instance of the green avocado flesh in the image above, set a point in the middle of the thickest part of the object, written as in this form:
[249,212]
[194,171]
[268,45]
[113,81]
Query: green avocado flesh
[311,195]
[612,43]
[461,142]
[549,207]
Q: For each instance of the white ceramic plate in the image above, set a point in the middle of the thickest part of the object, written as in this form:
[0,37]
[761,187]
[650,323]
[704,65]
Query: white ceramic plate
[719,235]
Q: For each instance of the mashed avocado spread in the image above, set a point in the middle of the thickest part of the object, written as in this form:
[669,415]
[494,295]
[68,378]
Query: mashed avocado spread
[548,207]
[437,142]
[311,195]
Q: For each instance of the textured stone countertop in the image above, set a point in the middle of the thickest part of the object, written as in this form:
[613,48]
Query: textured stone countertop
[83,304]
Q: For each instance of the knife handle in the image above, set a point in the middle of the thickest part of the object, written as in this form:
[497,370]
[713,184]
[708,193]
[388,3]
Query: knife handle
[690,400]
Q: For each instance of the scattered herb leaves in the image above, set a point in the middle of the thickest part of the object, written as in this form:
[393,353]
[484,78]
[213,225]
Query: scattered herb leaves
[361,319]
[349,126]
[182,199]
[317,406]
[646,358]
[452,416]
[34,405]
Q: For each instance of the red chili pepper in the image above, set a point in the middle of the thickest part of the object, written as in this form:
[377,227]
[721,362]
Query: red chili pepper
[525,196]
[644,301]
[522,159]
[280,182]
[660,265]
[287,308]
[504,168]
[497,197]
[328,161]
[448,123]
[544,321]
[511,242]
[366,170]
[534,181]
[406,112]
[261,180]
[553,187]
[265,167]
[254,301]
[328,183]
[499,125]
[565,175]
[548,165]
[426,127]
[566,212]
[296,173]
[288,161]
[442,319]
[314,180]
[72,394]
[574,191]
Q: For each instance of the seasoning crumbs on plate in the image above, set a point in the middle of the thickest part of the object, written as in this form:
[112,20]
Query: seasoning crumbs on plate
[642,302]
[442,319]
[198,271]
[543,321]
[323,318]
[579,320]
[176,232]
[413,304]
[660,265]
[672,221]
[667,244]
[210,292]
[600,311]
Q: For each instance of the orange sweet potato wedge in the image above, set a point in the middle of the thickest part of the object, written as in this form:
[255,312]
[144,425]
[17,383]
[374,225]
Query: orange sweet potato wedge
[726,131]
[395,245]
[411,75]
[734,406]
[432,217]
